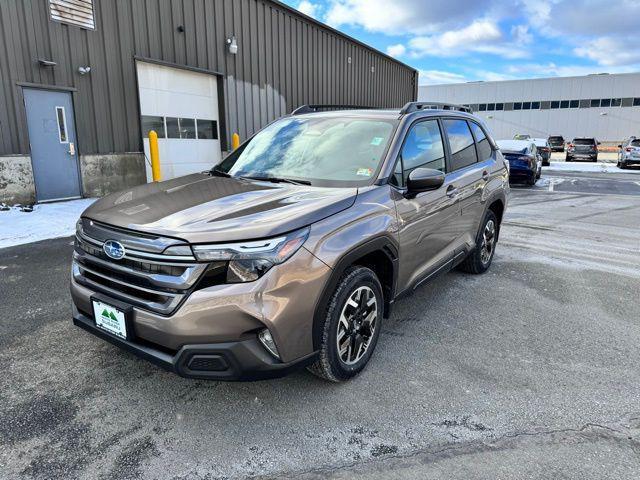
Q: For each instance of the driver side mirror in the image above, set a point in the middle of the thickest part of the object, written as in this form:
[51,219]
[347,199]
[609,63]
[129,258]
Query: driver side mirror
[424,180]
[619,146]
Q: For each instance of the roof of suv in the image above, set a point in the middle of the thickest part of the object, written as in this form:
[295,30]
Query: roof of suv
[390,113]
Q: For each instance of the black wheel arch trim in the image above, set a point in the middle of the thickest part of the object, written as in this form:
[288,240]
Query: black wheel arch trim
[383,243]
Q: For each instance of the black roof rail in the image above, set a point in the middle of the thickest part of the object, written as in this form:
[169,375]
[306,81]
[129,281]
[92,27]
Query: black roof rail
[327,108]
[415,106]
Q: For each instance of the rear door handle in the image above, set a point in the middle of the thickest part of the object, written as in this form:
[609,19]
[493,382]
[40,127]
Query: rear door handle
[485,176]
[452,191]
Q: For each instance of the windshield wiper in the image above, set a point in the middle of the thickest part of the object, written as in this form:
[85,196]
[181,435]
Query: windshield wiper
[218,173]
[281,180]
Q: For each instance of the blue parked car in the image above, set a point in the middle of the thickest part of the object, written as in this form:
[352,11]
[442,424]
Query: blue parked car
[525,162]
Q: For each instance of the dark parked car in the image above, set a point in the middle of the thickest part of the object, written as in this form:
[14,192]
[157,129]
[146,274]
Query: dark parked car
[556,142]
[525,164]
[544,150]
[292,251]
[629,153]
[585,148]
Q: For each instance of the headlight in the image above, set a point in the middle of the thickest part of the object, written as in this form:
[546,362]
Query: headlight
[248,261]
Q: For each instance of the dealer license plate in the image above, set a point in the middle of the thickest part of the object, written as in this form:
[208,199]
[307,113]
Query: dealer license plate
[110,319]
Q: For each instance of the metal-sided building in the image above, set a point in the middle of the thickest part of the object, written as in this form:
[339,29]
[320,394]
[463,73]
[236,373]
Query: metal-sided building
[83,81]
[603,106]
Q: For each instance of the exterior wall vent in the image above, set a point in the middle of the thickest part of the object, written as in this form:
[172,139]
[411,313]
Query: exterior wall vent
[73,12]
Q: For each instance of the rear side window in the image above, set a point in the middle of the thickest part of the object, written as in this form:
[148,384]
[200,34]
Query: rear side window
[484,148]
[423,147]
[463,152]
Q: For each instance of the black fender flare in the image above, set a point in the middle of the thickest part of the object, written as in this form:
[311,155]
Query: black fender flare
[384,243]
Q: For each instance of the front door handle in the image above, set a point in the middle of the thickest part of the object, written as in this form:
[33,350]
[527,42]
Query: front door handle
[485,176]
[72,149]
[452,191]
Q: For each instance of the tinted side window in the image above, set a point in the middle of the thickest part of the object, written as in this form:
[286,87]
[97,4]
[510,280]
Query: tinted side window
[423,148]
[484,147]
[463,152]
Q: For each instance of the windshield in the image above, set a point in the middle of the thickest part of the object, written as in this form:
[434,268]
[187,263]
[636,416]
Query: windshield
[344,151]
[555,139]
[584,141]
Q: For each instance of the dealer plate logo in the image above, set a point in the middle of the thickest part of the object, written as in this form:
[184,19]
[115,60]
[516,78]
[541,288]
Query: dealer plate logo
[113,249]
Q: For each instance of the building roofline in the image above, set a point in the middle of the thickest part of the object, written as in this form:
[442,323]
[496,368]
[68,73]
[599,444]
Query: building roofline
[335,31]
[492,82]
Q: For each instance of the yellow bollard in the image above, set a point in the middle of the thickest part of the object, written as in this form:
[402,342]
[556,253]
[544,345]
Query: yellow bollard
[155,156]
[235,141]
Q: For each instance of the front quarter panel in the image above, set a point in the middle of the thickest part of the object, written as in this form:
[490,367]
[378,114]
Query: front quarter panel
[372,216]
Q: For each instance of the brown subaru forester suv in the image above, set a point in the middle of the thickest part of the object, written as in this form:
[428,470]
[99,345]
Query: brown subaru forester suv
[292,251]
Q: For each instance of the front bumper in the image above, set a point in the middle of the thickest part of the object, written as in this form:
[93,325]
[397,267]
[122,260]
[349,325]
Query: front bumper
[241,360]
[224,318]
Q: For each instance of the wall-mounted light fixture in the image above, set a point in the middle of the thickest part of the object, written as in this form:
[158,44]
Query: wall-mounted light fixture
[84,70]
[603,114]
[232,44]
[46,63]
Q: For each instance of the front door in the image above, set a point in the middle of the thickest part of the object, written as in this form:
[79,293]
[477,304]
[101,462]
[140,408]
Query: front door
[52,136]
[430,221]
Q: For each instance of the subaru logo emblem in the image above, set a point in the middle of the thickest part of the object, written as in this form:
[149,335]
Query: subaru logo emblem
[113,249]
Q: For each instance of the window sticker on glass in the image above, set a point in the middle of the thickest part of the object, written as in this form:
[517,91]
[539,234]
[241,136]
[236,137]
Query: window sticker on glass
[364,172]
[376,141]
[62,125]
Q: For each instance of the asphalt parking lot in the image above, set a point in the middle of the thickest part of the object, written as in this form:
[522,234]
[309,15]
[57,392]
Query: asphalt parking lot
[528,371]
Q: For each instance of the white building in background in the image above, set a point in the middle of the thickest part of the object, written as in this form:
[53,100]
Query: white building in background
[604,106]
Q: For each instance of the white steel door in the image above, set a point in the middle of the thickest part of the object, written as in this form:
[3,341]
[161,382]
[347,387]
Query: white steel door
[182,106]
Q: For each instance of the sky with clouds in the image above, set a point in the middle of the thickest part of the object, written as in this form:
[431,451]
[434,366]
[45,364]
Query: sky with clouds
[452,41]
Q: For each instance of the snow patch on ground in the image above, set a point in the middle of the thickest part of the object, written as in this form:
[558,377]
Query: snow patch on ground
[587,167]
[48,220]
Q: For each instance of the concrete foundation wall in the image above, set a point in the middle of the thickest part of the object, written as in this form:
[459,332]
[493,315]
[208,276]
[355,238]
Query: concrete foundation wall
[16,180]
[109,173]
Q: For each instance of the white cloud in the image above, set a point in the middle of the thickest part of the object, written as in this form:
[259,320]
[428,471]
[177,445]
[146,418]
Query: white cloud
[309,8]
[401,17]
[481,36]
[604,31]
[435,77]
[396,50]
[553,70]
[610,51]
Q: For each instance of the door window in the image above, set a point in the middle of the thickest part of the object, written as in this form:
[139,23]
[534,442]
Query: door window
[62,125]
[423,147]
[463,151]
[484,148]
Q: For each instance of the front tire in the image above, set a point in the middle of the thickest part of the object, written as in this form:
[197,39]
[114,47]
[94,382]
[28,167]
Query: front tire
[352,323]
[479,260]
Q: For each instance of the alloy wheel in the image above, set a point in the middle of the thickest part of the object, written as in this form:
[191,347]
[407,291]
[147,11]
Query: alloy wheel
[357,324]
[488,242]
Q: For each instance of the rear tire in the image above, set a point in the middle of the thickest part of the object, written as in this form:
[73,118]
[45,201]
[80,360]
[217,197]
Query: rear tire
[352,323]
[479,260]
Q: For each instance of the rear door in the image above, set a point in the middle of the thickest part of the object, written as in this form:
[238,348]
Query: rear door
[468,174]
[430,221]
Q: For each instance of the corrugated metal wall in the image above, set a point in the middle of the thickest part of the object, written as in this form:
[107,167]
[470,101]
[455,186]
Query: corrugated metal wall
[284,60]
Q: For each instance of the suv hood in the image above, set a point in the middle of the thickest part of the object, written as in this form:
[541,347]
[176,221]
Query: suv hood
[200,208]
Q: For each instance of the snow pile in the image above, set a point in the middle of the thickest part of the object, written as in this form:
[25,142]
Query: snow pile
[587,167]
[49,220]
